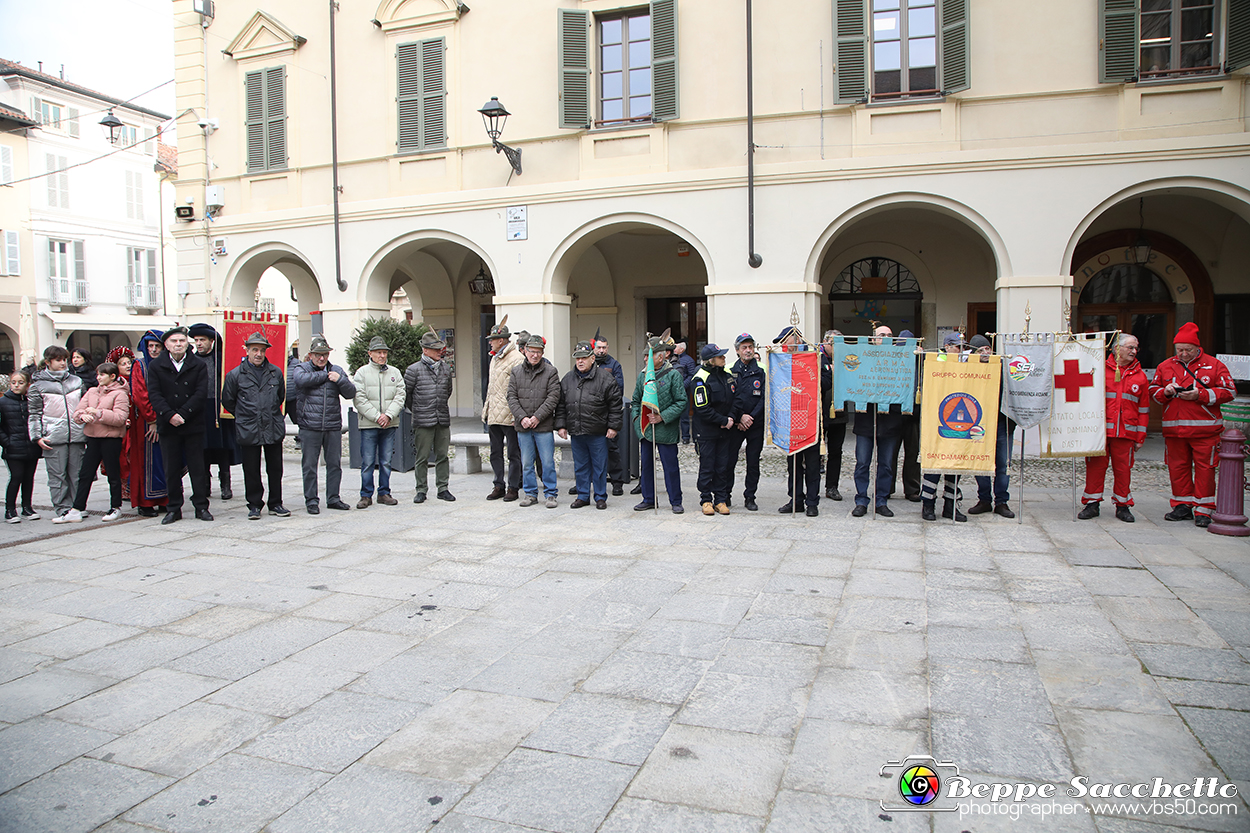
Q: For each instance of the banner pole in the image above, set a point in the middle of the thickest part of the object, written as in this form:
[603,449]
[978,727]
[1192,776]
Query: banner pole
[954,497]
[1073,489]
[1020,518]
[655,486]
[872,470]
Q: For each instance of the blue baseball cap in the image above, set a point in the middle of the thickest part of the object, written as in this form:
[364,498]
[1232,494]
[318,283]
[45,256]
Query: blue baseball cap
[711,351]
[744,337]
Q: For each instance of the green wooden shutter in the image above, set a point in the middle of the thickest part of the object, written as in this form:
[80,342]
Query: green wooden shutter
[408,89]
[433,94]
[254,88]
[850,34]
[1238,34]
[421,95]
[574,70]
[664,98]
[955,53]
[1117,41]
[275,118]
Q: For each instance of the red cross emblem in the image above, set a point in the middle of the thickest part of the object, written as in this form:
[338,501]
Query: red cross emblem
[1072,380]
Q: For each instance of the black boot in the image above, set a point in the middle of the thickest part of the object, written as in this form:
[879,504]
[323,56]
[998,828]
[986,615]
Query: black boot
[926,511]
[948,507]
[226,492]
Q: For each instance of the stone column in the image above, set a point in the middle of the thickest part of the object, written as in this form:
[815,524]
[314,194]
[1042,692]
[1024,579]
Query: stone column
[1044,296]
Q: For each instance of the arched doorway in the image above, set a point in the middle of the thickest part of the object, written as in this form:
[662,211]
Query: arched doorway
[240,290]
[1132,299]
[875,289]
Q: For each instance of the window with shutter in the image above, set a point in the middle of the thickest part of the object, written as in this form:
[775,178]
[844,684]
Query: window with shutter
[421,95]
[1238,36]
[265,111]
[134,195]
[6,163]
[574,58]
[72,121]
[664,59]
[1144,40]
[850,33]
[58,181]
[955,76]
[892,50]
[11,257]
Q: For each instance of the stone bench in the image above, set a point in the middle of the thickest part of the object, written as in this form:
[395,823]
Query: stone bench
[468,459]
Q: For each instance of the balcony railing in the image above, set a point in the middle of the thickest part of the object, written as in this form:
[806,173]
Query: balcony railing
[143,296]
[67,292]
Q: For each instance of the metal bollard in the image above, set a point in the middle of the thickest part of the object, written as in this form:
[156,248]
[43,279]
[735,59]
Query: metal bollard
[1229,517]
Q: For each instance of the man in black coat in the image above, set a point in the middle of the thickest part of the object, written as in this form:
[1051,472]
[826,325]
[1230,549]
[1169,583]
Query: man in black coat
[177,383]
[748,416]
[616,468]
[220,448]
[254,392]
[713,393]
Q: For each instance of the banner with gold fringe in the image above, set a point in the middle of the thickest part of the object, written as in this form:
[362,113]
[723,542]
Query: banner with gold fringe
[959,413]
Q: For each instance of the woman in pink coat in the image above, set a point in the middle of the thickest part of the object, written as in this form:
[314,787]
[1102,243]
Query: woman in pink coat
[102,413]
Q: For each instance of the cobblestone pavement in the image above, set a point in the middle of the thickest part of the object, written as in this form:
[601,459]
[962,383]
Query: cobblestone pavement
[476,666]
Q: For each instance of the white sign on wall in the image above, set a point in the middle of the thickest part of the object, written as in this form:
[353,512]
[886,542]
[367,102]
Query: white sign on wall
[518,225]
[1238,366]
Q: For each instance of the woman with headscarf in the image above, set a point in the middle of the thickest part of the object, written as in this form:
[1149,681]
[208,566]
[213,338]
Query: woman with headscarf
[124,358]
[148,492]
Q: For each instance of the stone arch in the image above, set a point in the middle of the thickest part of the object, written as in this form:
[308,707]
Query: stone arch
[399,263]
[570,250]
[889,202]
[239,290]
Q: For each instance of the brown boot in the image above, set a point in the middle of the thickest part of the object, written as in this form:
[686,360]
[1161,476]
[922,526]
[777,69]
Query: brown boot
[496,493]
[722,508]
[510,495]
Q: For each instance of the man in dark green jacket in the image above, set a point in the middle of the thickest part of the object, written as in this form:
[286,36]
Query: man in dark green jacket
[661,437]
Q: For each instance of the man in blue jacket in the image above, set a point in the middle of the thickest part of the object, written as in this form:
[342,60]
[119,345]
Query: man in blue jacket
[748,416]
[318,386]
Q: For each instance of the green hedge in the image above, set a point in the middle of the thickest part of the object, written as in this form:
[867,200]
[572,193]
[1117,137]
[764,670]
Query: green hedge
[403,338]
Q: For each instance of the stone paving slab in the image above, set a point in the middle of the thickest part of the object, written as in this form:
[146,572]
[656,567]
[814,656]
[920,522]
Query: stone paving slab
[478,667]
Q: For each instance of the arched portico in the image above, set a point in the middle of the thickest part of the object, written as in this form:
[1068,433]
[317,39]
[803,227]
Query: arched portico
[239,290]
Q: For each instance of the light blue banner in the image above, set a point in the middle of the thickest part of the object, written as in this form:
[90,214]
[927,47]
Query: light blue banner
[874,374]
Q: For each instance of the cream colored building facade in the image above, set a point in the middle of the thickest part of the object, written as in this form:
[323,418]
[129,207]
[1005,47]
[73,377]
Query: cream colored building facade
[943,164]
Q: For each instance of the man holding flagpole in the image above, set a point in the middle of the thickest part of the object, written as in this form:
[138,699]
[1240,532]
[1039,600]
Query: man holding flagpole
[803,465]
[659,400]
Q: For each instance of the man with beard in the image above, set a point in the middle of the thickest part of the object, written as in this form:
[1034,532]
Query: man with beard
[220,447]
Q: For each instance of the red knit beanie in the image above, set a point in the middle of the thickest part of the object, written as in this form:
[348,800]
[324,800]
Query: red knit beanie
[1188,334]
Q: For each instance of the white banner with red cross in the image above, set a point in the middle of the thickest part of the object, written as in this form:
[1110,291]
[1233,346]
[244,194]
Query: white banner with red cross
[1077,425]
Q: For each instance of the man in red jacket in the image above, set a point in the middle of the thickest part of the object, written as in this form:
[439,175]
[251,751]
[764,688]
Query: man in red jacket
[1191,386]
[1128,411]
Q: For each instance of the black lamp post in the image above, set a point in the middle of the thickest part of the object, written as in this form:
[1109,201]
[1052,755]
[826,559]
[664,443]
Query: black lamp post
[112,125]
[1141,248]
[494,116]
[482,283]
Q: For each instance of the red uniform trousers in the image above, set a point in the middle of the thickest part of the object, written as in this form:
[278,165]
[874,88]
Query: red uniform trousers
[1120,455]
[1191,465]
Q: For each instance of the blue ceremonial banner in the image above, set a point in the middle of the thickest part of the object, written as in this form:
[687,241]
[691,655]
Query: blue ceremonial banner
[874,374]
[794,399]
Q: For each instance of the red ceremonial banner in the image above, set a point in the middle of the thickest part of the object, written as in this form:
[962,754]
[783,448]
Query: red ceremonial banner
[237,326]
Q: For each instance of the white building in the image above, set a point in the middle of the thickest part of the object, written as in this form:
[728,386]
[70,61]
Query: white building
[84,214]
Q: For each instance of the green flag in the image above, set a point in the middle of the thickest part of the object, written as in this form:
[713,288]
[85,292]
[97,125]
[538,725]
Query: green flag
[650,395]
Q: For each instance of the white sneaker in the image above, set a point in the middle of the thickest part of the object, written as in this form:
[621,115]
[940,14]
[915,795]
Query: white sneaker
[112,515]
[32,515]
[73,516]
[552,503]
[12,519]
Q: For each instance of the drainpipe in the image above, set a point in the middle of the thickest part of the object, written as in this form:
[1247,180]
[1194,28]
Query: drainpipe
[334,154]
[752,258]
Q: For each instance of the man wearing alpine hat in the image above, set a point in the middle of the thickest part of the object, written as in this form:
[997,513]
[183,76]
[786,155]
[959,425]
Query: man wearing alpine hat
[428,385]
[713,391]
[255,392]
[318,386]
[504,356]
[1191,386]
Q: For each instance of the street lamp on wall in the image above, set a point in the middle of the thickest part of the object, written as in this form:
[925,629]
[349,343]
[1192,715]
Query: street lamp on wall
[494,116]
[112,126]
[1141,246]
[482,283]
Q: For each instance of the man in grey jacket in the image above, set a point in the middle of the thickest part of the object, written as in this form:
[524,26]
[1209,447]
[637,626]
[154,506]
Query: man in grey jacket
[318,386]
[428,383]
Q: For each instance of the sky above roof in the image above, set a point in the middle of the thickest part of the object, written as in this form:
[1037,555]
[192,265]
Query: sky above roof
[121,48]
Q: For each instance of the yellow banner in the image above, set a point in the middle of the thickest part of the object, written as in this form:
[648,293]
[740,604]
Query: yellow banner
[959,413]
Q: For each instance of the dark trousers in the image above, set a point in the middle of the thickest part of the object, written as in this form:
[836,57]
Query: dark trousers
[887,457]
[754,440]
[685,425]
[109,451]
[21,477]
[835,438]
[501,437]
[717,455]
[929,486]
[178,450]
[672,474]
[910,441]
[252,488]
[313,446]
[616,469]
[221,458]
[1002,455]
[804,469]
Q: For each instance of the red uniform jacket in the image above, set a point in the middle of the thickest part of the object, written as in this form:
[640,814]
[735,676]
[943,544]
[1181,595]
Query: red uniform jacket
[1200,417]
[1128,408]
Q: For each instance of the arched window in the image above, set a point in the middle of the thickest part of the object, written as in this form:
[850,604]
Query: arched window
[875,289]
[875,276]
[1126,283]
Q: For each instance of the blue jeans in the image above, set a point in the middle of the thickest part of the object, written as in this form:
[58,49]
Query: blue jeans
[543,446]
[887,455]
[376,447]
[672,474]
[590,465]
[1002,456]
